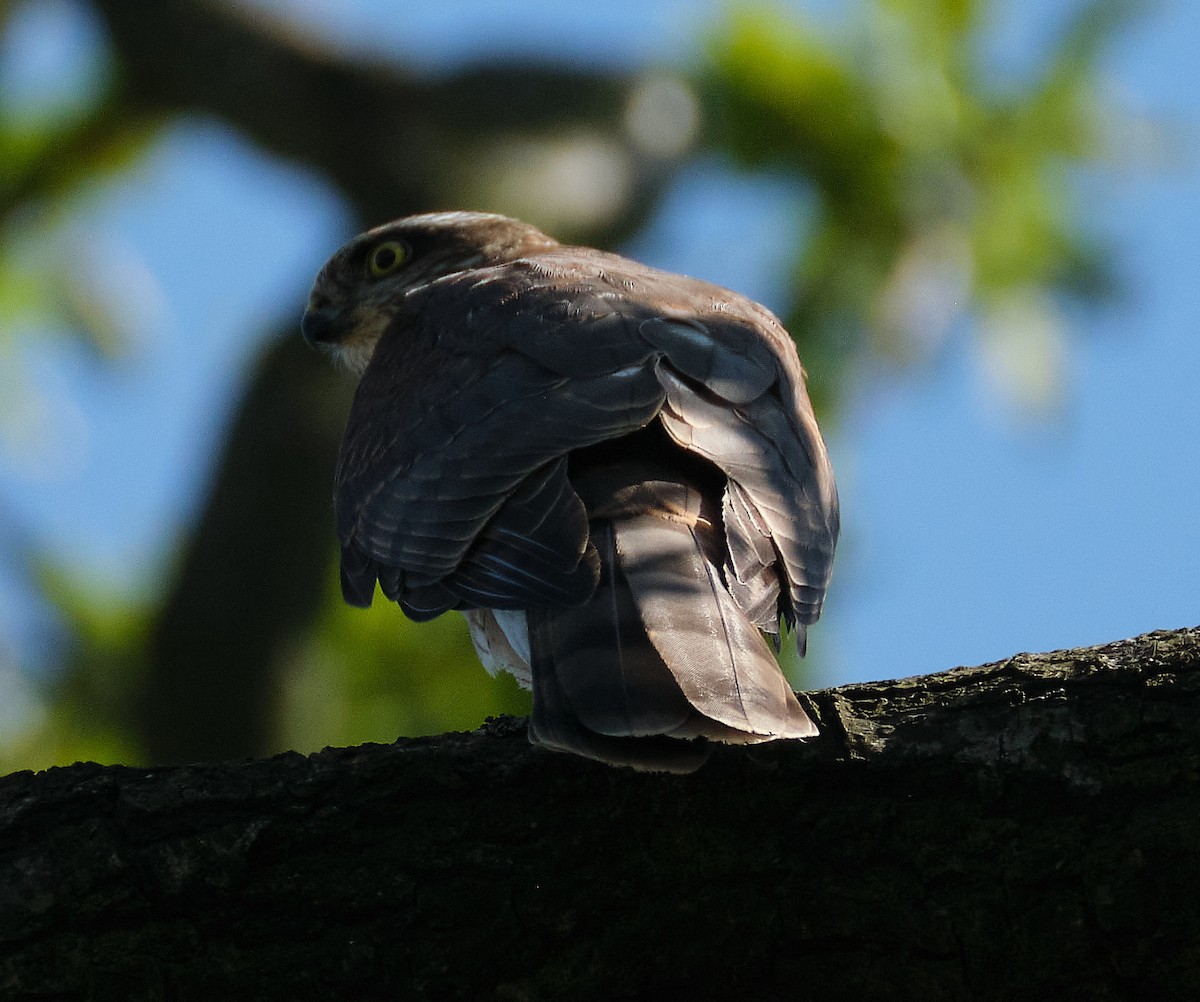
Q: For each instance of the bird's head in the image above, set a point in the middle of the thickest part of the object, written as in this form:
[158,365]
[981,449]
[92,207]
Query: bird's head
[362,287]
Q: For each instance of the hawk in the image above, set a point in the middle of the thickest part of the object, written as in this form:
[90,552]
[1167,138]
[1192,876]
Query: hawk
[614,472]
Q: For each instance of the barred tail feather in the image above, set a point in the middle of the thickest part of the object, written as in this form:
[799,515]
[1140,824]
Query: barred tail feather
[661,653]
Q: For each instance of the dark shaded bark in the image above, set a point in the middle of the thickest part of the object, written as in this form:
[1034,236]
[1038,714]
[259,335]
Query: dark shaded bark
[1027,829]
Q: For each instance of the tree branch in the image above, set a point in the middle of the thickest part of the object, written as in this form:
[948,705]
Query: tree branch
[392,140]
[1016,830]
[256,568]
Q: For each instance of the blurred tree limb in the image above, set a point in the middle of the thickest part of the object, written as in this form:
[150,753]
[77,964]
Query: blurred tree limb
[255,569]
[1020,830]
[389,139]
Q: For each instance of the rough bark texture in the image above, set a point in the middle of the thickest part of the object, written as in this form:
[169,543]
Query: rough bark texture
[1027,829]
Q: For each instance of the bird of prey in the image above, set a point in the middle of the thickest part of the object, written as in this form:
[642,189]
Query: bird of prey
[613,471]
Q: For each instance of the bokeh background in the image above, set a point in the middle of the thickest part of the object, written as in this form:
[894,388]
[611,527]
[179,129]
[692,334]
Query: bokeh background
[979,219]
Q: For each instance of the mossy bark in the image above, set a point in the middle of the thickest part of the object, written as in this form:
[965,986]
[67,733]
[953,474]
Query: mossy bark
[1028,829]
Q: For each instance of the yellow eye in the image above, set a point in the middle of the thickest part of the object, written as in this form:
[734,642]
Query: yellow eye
[386,258]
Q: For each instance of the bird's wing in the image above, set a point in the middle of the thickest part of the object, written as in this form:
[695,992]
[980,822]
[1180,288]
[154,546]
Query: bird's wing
[736,396]
[452,482]
[780,498]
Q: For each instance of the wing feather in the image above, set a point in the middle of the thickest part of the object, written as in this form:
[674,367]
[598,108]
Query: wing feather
[452,473]
[780,470]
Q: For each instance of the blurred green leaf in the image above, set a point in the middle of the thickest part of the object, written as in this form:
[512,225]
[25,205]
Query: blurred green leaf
[372,675]
[87,699]
[937,190]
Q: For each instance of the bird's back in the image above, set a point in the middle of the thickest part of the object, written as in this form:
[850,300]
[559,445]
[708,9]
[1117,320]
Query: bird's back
[613,471]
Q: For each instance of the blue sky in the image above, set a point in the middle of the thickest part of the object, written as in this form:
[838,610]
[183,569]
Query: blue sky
[970,531]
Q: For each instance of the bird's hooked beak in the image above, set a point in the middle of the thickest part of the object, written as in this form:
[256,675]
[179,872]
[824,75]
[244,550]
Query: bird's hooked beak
[339,329]
[319,325]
